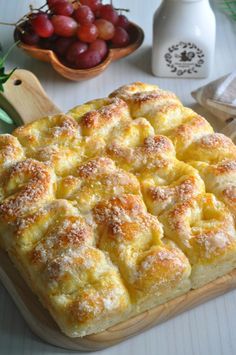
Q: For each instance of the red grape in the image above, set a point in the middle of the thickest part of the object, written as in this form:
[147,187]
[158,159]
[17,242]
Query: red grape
[123,22]
[61,45]
[97,13]
[121,37]
[64,26]
[100,46]
[42,25]
[108,13]
[88,59]
[51,2]
[87,33]
[48,43]
[105,28]
[75,50]
[84,15]
[93,4]
[62,7]
[29,37]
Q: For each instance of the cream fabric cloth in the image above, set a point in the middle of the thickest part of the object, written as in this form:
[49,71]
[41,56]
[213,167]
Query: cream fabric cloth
[219,97]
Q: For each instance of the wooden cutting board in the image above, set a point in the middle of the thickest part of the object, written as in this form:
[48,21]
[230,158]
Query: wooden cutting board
[25,100]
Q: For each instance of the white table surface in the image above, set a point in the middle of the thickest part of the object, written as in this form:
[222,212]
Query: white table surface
[207,329]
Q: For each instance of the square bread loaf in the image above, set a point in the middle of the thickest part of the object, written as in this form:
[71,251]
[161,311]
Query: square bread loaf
[117,206]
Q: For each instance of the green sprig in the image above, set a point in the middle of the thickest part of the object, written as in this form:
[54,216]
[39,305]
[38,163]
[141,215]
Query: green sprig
[3,75]
[229,7]
[5,117]
[3,78]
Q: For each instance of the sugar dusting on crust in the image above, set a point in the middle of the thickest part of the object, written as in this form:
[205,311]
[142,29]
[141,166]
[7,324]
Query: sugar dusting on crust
[214,242]
[96,167]
[127,91]
[51,130]
[32,183]
[154,96]
[119,210]
[68,127]
[155,152]
[77,271]
[181,192]
[10,149]
[115,110]
[141,93]
[226,167]
[163,255]
[125,217]
[158,144]
[195,127]
[97,282]
[99,303]
[70,259]
[215,140]
[70,233]
[230,194]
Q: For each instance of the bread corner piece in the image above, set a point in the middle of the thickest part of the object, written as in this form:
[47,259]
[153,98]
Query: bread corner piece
[204,229]
[87,287]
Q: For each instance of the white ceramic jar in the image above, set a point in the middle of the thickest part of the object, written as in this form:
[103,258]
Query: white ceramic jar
[183,39]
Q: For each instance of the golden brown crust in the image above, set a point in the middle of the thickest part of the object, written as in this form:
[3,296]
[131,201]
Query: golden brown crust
[211,148]
[96,180]
[10,151]
[153,153]
[132,237]
[55,140]
[25,186]
[82,196]
[220,179]
[105,117]
[202,227]
[192,127]
[60,129]
[169,185]
[142,97]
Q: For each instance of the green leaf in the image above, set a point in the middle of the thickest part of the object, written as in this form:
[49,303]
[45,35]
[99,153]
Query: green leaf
[3,59]
[229,7]
[5,76]
[4,117]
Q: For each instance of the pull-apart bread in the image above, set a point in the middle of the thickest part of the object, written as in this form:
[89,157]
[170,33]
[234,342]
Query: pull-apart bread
[118,206]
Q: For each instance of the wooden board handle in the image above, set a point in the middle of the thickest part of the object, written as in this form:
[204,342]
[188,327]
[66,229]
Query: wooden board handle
[24,99]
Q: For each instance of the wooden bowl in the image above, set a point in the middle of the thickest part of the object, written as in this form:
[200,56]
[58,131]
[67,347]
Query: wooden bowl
[47,55]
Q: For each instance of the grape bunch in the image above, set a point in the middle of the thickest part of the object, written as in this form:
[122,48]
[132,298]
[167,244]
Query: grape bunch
[80,32]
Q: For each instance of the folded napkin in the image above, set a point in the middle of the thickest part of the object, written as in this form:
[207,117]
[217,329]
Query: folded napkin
[219,97]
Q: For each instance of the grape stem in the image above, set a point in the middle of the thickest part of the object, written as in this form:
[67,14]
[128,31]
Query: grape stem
[126,10]
[41,7]
[24,18]
[7,23]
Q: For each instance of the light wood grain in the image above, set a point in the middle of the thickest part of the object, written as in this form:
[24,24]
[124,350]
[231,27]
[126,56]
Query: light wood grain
[38,319]
[24,98]
[47,55]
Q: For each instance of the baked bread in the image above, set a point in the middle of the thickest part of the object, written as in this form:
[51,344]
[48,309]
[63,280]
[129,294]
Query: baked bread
[118,206]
